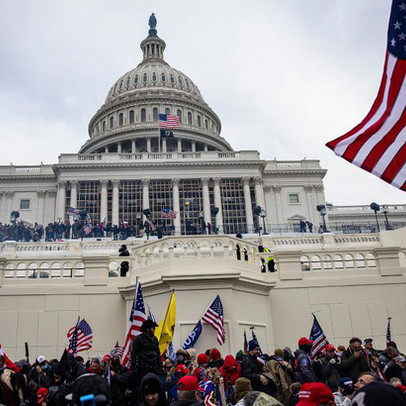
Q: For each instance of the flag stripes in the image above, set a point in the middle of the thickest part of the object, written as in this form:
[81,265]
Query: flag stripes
[214,317]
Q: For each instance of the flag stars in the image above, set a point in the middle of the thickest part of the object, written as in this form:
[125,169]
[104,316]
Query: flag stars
[402,36]
[402,6]
[397,25]
[393,42]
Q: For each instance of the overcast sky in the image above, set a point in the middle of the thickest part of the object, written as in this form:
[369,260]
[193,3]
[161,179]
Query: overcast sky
[284,76]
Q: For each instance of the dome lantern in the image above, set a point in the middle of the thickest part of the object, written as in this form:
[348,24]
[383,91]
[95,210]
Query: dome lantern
[153,46]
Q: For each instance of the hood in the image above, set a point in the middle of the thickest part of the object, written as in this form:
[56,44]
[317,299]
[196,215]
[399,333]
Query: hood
[154,380]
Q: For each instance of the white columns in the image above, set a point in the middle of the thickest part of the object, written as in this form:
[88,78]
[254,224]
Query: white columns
[279,204]
[61,200]
[217,203]
[145,194]
[106,149]
[206,147]
[248,205]
[176,205]
[163,144]
[9,205]
[115,202]
[41,205]
[50,206]
[103,200]
[179,145]
[133,146]
[73,197]
[149,144]
[206,200]
[119,147]
[308,191]
[193,146]
[259,193]
[2,207]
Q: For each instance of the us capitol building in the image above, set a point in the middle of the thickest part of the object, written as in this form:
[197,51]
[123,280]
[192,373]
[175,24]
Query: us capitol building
[352,282]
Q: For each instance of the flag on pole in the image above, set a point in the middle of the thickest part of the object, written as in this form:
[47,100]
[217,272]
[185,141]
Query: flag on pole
[8,363]
[171,352]
[191,341]
[169,213]
[168,121]
[80,337]
[260,357]
[388,331]
[245,347]
[164,331]
[137,317]
[151,315]
[318,338]
[117,351]
[215,317]
[378,143]
[166,133]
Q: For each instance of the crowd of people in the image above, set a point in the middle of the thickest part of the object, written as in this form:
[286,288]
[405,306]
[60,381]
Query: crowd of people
[358,375]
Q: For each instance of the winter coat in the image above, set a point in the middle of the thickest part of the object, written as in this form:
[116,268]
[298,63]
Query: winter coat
[145,355]
[274,370]
[148,378]
[331,372]
[353,366]
[305,371]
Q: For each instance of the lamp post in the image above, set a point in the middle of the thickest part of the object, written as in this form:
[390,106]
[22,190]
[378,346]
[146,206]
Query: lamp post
[321,208]
[263,215]
[385,213]
[257,210]
[375,207]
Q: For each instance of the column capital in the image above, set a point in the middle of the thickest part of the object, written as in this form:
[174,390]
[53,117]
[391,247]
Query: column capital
[104,182]
[51,193]
[277,188]
[205,181]
[217,180]
[9,194]
[258,180]
[308,188]
[145,182]
[41,193]
[62,184]
[73,183]
[319,188]
[246,180]
[267,188]
[115,183]
[175,181]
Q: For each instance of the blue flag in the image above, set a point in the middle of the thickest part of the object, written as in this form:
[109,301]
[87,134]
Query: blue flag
[193,336]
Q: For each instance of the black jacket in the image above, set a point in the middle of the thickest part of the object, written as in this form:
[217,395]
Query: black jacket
[305,371]
[353,366]
[145,355]
[148,378]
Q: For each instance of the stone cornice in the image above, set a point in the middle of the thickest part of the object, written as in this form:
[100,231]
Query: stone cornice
[36,179]
[295,172]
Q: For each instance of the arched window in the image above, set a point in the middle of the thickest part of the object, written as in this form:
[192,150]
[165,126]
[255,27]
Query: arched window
[155,114]
[121,119]
[104,125]
[179,114]
[136,80]
[121,85]
[189,117]
[111,122]
[187,83]
[172,79]
[143,115]
[131,116]
[199,121]
[163,78]
[206,123]
[180,81]
[145,78]
[128,82]
[154,77]
[167,111]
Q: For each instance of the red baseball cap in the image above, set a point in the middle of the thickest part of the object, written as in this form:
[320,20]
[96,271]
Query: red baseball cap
[188,382]
[304,341]
[314,393]
[42,393]
[181,368]
[329,347]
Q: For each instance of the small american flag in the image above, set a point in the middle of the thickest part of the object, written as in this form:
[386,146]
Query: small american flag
[168,121]
[169,213]
[388,331]
[80,337]
[137,317]
[378,143]
[117,350]
[214,317]
[318,337]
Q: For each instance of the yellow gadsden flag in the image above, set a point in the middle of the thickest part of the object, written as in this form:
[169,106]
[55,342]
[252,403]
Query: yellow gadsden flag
[164,332]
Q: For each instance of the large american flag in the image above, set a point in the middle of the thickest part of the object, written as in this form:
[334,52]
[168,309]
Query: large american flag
[137,317]
[215,317]
[318,337]
[168,121]
[80,337]
[378,143]
[8,363]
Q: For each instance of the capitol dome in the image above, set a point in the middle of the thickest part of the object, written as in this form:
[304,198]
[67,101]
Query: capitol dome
[128,119]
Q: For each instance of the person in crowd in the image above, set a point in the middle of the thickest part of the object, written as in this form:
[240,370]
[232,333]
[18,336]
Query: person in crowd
[364,379]
[378,394]
[344,393]
[242,387]
[152,392]
[178,373]
[202,364]
[353,360]
[145,353]
[315,394]
[42,395]
[390,352]
[305,370]
[215,359]
[188,392]
[330,368]
[396,368]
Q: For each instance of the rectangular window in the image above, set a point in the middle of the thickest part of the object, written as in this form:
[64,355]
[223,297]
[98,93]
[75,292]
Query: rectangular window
[233,206]
[191,206]
[293,198]
[25,204]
